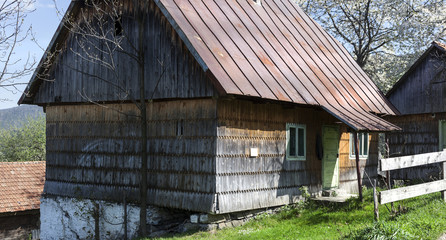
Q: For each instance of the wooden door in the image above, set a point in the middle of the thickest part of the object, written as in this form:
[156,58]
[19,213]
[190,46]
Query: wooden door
[442,135]
[330,160]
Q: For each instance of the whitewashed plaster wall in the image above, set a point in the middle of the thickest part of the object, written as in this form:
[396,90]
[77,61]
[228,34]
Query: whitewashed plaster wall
[69,218]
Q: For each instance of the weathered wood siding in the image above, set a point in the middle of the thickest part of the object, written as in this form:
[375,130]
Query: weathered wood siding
[420,135]
[424,90]
[348,180]
[245,182]
[170,70]
[93,152]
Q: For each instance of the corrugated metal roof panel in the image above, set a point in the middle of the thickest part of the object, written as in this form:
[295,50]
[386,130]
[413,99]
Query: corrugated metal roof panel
[275,51]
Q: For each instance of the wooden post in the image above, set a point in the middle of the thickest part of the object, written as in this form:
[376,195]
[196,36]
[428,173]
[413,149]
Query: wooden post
[443,194]
[143,111]
[125,218]
[358,171]
[375,202]
[97,235]
[388,188]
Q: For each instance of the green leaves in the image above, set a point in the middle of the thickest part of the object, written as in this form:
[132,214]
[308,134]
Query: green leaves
[25,143]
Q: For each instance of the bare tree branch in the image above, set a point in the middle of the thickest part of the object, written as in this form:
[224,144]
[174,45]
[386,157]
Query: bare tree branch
[12,33]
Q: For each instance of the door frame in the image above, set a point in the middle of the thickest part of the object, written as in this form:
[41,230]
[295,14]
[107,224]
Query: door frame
[440,134]
[337,158]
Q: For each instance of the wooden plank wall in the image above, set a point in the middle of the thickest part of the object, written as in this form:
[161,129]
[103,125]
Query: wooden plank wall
[267,180]
[93,152]
[420,135]
[424,90]
[348,180]
[170,70]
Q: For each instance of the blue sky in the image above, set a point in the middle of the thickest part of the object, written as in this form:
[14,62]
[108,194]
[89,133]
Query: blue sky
[44,21]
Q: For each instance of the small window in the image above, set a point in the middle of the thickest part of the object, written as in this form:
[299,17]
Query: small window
[180,128]
[295,141]
[363,139]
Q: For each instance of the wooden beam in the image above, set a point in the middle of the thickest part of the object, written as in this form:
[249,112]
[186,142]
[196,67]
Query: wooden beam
[411,191]
[358,170]
[388,164]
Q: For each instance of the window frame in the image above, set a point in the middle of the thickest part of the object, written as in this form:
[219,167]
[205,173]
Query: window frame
[297,127]
[361,146]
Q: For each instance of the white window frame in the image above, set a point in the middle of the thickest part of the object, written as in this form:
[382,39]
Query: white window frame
[297,127]
[361,145]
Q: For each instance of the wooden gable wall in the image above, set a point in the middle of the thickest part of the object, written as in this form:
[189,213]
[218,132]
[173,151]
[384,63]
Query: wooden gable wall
[94,152]
[170,70]
[424,90]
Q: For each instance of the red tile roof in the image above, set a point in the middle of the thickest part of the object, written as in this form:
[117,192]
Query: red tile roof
[21,184]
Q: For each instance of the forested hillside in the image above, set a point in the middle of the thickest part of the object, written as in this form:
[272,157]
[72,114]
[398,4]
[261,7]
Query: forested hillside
[15,116]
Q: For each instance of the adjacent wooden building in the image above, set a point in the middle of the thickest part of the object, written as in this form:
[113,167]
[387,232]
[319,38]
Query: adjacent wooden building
[420,96]
[251,102]
[21,186]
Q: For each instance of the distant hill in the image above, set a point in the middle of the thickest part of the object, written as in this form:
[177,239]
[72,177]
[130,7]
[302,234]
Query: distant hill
[14,116]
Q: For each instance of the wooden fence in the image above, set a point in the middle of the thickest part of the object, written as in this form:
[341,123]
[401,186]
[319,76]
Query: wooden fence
[392,195]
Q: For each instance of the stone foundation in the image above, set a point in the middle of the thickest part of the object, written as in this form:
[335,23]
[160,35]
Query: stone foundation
[212,222]
[69,218]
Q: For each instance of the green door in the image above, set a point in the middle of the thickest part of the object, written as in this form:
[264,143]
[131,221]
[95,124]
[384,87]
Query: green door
[330,160]
[442,133]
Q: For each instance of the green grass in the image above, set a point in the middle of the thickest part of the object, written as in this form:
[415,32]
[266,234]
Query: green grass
[418,218]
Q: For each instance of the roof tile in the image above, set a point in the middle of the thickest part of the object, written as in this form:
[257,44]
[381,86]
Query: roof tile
[21,184]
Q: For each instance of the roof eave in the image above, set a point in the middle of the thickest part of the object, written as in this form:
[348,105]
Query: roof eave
[435,45]
[61,33]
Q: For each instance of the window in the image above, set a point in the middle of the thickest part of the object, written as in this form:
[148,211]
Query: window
[363,146]
[295,141]
[179,128]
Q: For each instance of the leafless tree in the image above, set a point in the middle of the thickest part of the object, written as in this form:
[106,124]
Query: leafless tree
[14,31]
[102,40]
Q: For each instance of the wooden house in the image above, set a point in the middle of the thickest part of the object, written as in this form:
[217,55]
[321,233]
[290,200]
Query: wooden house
[420,96]
[21,185]
[252,101]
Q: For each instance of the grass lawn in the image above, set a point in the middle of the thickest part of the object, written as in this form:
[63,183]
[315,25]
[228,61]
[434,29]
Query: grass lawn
[418,218]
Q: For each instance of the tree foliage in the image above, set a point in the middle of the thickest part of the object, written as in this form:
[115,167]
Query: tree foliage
[383,36]
[25,143]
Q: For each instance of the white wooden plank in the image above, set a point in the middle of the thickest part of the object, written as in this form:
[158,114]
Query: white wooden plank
[443,194]
[388,164]
[411,191]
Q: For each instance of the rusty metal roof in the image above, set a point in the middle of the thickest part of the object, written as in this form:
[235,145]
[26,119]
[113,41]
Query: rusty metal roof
[273,50]
[21,185]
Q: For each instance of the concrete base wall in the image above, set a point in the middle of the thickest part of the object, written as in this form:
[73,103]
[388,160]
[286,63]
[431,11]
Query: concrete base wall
[69,218]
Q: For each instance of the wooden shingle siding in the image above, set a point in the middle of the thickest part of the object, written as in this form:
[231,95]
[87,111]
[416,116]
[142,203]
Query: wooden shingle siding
[245,182]
[348,179]
[168,65]
[91,147]
[420,135]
